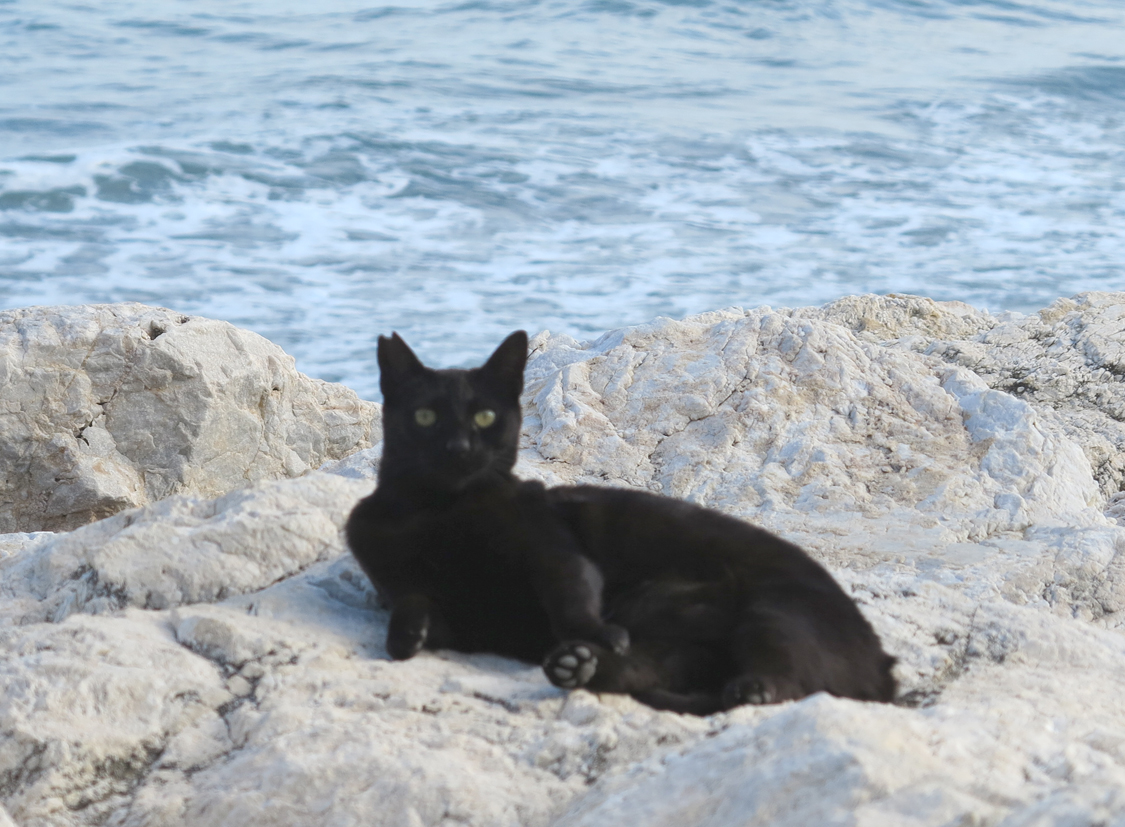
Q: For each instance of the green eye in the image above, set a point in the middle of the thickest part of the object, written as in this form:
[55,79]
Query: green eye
[484,418]
[425,417]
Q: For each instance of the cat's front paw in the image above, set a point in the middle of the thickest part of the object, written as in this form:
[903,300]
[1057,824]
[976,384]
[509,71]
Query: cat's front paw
[571,664]
[404,644]
[407,631]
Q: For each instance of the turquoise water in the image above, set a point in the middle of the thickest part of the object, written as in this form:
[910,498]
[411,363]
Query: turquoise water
[325,173]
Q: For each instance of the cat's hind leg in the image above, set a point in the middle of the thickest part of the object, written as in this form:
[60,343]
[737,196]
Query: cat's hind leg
[582,663]
[793,642]
[648,673]
[570,588]
[755,690]
[692,703]
[779,656]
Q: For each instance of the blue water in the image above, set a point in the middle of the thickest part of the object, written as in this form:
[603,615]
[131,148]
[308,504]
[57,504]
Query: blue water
[323,173]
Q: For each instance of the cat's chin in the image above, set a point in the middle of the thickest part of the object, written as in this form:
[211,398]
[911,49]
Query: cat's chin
[460,481]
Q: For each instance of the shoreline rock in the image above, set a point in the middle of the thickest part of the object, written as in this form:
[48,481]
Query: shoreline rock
[217,661]
[109,407]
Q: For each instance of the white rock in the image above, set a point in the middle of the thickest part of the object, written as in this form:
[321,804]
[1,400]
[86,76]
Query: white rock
[207,662]
[769,412]
[1068,358]
[180,550]
[108,407]
[90,707]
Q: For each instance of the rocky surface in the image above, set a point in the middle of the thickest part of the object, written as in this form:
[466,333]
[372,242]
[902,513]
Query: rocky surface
[109,407]
[219,661]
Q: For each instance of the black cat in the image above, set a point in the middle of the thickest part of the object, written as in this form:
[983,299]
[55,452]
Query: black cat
[619,591]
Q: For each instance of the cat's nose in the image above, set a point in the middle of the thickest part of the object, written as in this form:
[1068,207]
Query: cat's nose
[459,444]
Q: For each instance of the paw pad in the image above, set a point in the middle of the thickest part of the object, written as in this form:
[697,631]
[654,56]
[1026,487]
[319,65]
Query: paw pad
[571,665]
[748,691]
[758,694]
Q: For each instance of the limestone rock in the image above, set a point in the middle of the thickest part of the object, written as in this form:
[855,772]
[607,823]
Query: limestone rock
[790,419]
[220,661]
[108,407]
[899,318]
[89,708]
[181,550]
[1068,358]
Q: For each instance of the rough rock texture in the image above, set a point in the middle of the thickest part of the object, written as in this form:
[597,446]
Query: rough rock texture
[179,551]
[109,407]
[1069,358]
[766,412]
[220,662]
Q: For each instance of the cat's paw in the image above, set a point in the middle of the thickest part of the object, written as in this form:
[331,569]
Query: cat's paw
[407,631]
[403,644]
[747,689]
[571,664]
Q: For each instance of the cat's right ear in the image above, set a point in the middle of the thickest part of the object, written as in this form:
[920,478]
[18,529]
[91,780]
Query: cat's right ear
[506,364]
[397,362]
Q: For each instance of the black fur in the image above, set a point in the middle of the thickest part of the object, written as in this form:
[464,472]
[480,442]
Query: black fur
[619,591]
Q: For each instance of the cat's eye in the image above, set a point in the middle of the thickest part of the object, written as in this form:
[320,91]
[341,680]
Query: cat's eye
[425,417]
[484,418]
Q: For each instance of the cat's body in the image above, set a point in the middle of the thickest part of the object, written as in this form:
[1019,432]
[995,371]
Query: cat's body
[615,590]
[472,558]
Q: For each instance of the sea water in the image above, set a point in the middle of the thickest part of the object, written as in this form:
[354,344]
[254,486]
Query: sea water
[325,172]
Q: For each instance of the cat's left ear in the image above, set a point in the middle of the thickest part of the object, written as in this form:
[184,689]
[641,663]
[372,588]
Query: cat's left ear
[507,362]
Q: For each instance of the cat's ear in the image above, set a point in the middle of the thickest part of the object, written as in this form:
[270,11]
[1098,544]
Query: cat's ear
[507,362]
[396,362]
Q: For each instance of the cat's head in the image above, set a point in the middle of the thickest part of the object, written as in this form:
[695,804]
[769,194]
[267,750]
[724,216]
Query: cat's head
[450,429]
